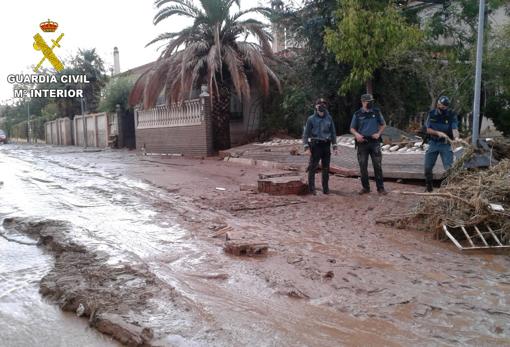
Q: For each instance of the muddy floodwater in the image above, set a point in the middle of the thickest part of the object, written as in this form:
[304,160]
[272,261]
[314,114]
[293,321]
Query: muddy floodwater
[26,319]
[108,244]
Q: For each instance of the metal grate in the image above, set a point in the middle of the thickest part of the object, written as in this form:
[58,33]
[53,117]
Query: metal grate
[469,238]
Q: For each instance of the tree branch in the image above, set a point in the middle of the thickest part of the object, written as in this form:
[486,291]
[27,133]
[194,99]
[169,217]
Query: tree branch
[440,195]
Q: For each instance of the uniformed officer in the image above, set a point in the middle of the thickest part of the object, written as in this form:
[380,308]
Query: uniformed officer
[367,126]
[441,125]
[318,137]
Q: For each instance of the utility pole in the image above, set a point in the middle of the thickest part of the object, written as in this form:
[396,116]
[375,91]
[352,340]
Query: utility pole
[478,74]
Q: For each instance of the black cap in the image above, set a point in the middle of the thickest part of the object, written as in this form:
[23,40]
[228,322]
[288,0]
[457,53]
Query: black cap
[321,101]
[367,97]
[444,100]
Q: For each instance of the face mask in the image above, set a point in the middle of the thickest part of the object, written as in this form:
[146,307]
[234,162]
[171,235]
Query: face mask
[322,108]
[370,104]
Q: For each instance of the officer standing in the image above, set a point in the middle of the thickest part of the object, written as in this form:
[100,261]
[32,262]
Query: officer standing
[441,125]
[318,136]
[367,126]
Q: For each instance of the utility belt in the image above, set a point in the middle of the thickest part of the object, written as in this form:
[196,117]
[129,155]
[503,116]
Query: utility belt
[438,140]
[367,140]
[371,139]
[319,141]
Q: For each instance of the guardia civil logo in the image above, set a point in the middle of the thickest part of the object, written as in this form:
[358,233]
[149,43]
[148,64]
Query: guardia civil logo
[49,85]
[40,44]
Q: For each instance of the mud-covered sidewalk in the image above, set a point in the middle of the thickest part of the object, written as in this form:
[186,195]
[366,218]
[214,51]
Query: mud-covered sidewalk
[138,246]
[406,164]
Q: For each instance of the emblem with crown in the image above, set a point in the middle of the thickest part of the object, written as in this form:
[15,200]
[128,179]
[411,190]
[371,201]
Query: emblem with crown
[49,26]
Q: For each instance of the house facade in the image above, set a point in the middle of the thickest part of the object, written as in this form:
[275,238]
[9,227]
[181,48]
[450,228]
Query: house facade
[183,128]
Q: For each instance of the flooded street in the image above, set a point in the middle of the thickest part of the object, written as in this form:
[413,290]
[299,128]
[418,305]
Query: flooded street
[26,319]
[132,245]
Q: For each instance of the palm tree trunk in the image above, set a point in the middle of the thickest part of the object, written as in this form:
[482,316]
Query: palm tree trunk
[369,86]
[221,118]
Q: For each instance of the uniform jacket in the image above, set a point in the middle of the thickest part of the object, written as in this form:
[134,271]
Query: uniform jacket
[319,128]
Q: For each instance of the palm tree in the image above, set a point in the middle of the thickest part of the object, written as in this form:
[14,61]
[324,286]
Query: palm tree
[213,51]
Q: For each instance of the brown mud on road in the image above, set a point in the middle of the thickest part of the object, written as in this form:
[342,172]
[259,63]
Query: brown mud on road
[331,276]
[114,298]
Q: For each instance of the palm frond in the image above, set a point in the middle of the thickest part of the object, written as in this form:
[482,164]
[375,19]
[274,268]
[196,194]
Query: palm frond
[156,82]
[136,93]
[173,10]
[258,31]
[215,10]
[210,51]
[176,43]
[213,65]
[217,44]
[198,70]
[234,65]
[265,11]
[172,78]
[186,3]
[254,58]
[165,36]
[274,77]
[231,2]
[190,57]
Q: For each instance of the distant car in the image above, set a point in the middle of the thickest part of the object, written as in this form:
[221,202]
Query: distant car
[3,137]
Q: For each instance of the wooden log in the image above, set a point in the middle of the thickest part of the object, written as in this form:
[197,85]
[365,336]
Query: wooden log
[338,170]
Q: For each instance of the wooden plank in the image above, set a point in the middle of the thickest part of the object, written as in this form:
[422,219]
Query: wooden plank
[338,170]
[267,175]
[485,247]
[494,235]
[450,236]
[481,236]
[221,231]
[467,236]
[473,247]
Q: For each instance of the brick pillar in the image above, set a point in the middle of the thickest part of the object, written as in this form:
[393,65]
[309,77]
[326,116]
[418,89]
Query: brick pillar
[205,110]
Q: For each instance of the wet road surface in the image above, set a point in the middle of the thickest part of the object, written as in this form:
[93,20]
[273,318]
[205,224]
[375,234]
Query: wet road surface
[25,318]
[394,293]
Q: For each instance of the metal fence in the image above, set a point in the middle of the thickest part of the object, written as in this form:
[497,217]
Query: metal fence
[94,130]
[59,132]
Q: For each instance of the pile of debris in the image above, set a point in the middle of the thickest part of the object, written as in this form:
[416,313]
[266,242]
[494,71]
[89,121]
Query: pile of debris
[501,149]
[407,147]
[467,198]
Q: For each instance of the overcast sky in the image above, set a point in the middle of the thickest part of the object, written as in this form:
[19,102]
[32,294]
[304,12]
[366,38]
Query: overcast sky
[100,24]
